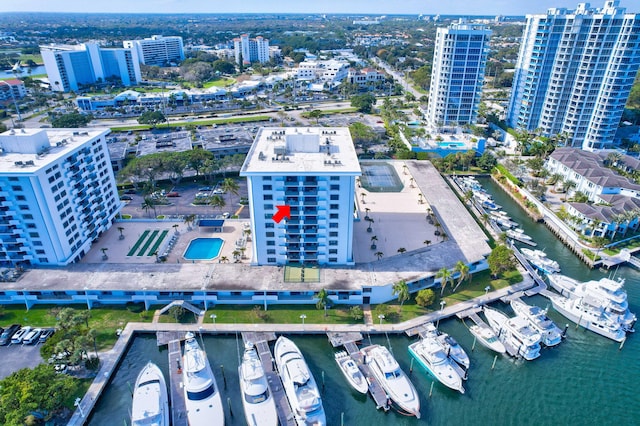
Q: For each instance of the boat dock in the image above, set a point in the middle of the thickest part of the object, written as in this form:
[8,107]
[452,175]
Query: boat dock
[348,340]
[178,404]
[261,341]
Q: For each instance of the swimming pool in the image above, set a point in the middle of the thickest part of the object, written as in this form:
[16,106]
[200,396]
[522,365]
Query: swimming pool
[203,248]
[451,145]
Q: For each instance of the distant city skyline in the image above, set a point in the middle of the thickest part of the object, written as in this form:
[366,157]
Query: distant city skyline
[452,7]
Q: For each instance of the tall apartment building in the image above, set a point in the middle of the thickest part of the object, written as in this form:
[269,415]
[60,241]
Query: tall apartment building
[250,50]
[57,194]
[12,89]
[574,73]
[313,171]
[157,50]
[459,62]
[70,67]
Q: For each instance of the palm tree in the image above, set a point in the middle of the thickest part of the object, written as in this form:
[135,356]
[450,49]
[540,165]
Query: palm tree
[468,195]
[371,221]
[373,242]
[420,198]
[362,196]
[236,254]
[121,229]
[411,182]
[149,204]
[463,269]
[189,220]
[554,178]
[404,169]
[402,250]
[175,228]
[379,254]
[401,289]
[366,213]
[426,242]
[104,253]
[445,276]
[247,233]
[224,259]
[323,300]
[217,202]
[230,186]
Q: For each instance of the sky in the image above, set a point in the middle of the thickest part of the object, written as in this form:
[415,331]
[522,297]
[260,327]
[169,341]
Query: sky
[430,7]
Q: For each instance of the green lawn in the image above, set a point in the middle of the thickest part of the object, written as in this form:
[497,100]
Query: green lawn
[280,314]
[105,320]
[219,82]
[206,122]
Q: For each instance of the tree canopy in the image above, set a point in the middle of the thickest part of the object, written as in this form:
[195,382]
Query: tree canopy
[151,117]
[224,67]
[500,260]
[71,120]
[363,103]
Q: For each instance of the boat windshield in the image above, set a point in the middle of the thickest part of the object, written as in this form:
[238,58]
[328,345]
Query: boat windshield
[257,399]
[203,394]
[392,374]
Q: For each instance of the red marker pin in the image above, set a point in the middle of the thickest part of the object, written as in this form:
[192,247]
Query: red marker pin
[283,211]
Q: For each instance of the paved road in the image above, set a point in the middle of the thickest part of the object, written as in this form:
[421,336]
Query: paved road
[395,74]
[16,357]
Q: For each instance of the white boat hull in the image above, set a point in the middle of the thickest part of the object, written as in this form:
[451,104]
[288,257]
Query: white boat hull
[430,356]
[538,320]
[351,372]
[487,338]
[150,398]
[592,322]
[257,400]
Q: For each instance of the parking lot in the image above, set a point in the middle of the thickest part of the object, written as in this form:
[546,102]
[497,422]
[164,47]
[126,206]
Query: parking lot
[16,357]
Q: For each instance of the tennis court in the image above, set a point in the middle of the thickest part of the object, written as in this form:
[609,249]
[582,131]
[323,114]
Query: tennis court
[380,177]
[297,274]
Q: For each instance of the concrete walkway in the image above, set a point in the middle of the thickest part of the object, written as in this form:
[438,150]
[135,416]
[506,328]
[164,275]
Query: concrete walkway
[110,359]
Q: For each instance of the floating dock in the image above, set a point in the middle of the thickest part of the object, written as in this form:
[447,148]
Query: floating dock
[178,404]
[261,342]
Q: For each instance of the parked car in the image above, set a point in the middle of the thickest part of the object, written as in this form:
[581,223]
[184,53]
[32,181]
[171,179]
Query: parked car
[20,335]
[32,337]
[130,191]
[218,191]
[126,198]
[205,188]
[46,333]
[173,194]
[7,334]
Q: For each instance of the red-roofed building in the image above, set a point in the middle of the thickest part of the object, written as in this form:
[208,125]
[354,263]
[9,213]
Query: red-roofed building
[14,86]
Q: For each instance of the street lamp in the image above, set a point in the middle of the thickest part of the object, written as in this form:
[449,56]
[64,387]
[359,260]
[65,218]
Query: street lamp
[442,303]
[86,295]
[302,317]
[15,104]
[213,318]
[381,317]
[77,404]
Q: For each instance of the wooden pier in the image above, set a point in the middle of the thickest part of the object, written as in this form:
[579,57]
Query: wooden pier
[343,338]
[178,405]
[166,337]
[375,389]
[261,342]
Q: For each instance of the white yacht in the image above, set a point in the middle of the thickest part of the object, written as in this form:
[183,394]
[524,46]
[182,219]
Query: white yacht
[609,293]
[259,405]
[150,399]
[449,345]
[202,396]
[515,332]
[590,316]
[538,320]
[352,372]
[487,337]
[393,380]
[428,352]
[539,259]
[299,384]
[518,234]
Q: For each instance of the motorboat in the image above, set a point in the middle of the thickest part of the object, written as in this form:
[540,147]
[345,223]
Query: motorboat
[490,205]
[428,352]
[608,292]
[257,400]
[202,396]
[516,333]
[590,316]
[352,372]
[539,259]
[393,380]
[519,235]
[487,337]
[538,320]
[449,345]
[299,384]
[150,398]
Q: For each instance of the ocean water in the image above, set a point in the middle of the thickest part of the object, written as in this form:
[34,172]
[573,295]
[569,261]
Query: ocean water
[585,380]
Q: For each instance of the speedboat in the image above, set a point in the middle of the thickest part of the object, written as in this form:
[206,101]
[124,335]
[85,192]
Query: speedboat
[610,294]
[518,234]
[393,380]
[202,396]
[257,400]
[487,337]
[515,332]
[590,316]
[351,372]
[150,399]
[299,384]
[538,320]
[539,259]
[449,345]
[428,352]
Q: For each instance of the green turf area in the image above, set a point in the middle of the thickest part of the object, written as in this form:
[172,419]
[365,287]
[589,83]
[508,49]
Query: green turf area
[155,246]
[148,242]
[298,274]
[137,244]
[219,82]
[204,122]
[280,314]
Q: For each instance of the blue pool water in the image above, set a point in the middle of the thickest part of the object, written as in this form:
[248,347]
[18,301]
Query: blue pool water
[446,145]
[203,249]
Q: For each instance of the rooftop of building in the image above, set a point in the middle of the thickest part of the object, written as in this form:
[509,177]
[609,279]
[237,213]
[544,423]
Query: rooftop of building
[28,150]
[302,150]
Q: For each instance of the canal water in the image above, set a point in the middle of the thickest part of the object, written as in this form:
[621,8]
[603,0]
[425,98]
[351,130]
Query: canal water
[40,69]
[586,380]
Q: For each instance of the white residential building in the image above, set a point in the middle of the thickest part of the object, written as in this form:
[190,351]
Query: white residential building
[366,75]
[70,67]
[57,194]
[459,62]
[311,170]
[157,50]
[574,73]
[330,72]
[248,50]
[13,89]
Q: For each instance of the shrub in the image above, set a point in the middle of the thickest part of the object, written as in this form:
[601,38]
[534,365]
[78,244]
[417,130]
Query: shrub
[425,297]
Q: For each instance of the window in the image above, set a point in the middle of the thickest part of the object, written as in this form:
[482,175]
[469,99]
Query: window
[267,187]
[335,197]
[333,251]
[265,178]
[334,187]
[271,243]
[334,206]
[333,243]
[333,225]
[271,251]
[335,177]
[271,234]
[333,234]
[333,259]
[333,216]
[271,259]
[268,197]
[268,206]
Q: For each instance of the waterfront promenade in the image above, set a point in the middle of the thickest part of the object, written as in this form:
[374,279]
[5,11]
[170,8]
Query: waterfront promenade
[111,358]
